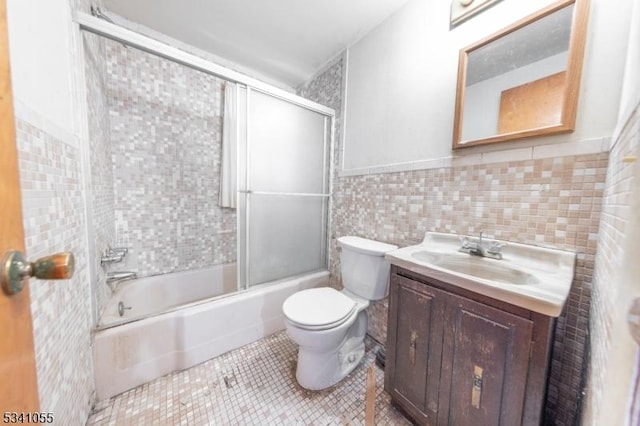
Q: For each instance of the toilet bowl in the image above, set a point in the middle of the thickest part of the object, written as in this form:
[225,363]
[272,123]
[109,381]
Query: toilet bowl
[330,325]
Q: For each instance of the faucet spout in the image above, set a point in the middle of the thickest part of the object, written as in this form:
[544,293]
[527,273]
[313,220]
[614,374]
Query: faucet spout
[120,276]
[478,248]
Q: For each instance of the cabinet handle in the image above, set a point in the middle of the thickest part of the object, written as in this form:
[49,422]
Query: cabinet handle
[476,390]
[412,348]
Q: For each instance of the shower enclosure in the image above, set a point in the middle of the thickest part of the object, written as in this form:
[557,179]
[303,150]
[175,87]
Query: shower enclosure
[224,214]
[157,157]
[283,190]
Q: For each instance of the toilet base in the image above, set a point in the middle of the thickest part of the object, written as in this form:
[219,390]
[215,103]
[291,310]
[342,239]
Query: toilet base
[318,369]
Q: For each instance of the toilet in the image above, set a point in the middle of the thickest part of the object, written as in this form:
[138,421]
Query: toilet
[330,325]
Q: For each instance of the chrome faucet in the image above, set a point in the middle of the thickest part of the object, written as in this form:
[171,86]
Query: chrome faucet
[111,258]
[478,248]
[112,255]
[120,276]
[118,250]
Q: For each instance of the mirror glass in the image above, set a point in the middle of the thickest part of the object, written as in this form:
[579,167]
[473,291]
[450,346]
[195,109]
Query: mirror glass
[523,81]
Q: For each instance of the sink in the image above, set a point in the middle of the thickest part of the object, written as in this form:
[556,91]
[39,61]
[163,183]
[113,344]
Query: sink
[425,256]
[490,270]
[535,278]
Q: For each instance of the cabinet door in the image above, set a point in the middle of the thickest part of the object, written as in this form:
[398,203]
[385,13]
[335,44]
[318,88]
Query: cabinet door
[485,364]
[415,347]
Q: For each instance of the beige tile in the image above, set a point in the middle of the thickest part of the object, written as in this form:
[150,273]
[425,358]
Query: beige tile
[252,385]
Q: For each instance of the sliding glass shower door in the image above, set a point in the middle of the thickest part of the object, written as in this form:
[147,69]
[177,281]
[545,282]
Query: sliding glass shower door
[283,191]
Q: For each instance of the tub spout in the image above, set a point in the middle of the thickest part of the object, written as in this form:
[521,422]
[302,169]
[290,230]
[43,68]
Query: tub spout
[120,276]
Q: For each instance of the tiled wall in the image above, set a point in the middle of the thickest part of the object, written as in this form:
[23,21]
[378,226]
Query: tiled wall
[614,231]
[102,227]
[553,202]
[165,130]
[53,211]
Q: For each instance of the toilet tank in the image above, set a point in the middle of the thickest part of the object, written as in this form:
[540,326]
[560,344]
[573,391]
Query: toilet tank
[363,268]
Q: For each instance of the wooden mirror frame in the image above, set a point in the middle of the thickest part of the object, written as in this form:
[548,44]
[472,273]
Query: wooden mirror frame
[573,75]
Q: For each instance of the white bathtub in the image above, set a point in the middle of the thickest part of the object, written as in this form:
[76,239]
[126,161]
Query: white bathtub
[156,294]
[134,353]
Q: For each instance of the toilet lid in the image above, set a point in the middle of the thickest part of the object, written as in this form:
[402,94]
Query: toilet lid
[318,306]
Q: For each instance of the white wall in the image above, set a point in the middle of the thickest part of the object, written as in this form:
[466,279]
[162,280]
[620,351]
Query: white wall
[631,92]
[399,88]
[401,81]
[41,64]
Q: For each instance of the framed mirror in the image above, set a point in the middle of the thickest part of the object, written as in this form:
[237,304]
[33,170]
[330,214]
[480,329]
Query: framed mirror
[523,81]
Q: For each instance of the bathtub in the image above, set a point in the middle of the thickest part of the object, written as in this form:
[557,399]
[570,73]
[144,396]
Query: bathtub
[156,294]
[152,344]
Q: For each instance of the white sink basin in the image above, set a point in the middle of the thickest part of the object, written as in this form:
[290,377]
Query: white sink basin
[535,278]
[487,269]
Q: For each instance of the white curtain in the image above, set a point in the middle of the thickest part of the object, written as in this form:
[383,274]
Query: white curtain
[229,147]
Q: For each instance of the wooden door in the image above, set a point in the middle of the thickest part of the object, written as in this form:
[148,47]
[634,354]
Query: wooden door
[18,386]
[415,347]
[485,365]
[534,105]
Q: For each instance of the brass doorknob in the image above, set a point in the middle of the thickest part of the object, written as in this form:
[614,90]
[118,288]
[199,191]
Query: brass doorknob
[15,270]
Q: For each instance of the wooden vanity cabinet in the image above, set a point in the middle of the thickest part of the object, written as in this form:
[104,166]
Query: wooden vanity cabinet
[455,357]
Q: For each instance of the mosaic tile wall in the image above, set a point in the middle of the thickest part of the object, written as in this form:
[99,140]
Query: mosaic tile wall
[165,139]
[553,202]
[100,164]
[616,215]
[52,203]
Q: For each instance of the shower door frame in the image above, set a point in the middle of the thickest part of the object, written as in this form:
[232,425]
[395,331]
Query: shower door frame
[244,180]
[139,41]
[112,31]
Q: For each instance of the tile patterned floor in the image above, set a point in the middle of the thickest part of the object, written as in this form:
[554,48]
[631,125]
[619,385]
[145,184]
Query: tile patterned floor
[253,385]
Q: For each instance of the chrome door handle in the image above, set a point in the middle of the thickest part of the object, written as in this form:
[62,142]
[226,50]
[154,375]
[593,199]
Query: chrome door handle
[15,270]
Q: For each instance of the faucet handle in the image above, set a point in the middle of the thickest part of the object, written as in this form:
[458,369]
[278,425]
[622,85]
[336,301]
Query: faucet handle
[111,256]
[113,250]
[496,247]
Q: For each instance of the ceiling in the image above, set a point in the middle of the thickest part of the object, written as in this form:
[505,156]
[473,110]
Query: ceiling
[283,40]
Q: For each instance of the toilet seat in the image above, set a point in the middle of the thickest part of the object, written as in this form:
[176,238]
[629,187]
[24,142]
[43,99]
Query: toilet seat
[318,308]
